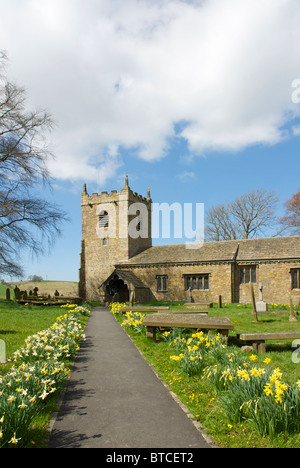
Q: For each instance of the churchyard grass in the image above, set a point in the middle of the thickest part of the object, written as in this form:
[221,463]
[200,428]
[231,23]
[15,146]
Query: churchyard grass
[261,405]
[41,343]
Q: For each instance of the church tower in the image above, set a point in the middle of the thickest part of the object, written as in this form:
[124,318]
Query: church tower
[115,227]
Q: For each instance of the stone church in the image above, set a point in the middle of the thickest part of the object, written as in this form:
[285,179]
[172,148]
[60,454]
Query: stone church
[114,260]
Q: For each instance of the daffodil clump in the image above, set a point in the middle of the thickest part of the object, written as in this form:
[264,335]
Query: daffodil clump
[57,342]
[134,320]
[245,390]
[197,350]
[38,371]
[115,307]
[258,395]
[84,309]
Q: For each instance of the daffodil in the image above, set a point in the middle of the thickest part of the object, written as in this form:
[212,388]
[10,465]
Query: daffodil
[267,361]
[14,439]
[22,405]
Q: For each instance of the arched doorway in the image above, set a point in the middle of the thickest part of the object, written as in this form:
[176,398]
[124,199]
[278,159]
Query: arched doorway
[117,287]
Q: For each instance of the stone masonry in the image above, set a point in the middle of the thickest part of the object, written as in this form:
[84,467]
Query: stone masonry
[115,262]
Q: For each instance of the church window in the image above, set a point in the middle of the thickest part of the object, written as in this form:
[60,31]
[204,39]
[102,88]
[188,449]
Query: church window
[105,241]
[248,274]
[162,283]
[197,282]
[103,219]
[295,278]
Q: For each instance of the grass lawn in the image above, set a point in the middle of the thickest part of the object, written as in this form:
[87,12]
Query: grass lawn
[200,396]
[17,322]
[3,289]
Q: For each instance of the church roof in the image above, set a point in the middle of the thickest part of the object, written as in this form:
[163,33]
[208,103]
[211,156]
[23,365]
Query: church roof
[242,250]
[128,277]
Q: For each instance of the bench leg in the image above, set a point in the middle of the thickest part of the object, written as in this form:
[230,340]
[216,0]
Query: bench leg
[223,332]
[151,333]
[259,346]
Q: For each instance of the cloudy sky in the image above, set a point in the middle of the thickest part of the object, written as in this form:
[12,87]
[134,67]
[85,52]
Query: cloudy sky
[192,98]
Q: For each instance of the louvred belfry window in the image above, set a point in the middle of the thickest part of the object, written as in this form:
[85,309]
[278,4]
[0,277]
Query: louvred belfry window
[103,219]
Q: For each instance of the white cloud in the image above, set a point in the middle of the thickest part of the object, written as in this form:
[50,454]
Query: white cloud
[123,73]
[186,176]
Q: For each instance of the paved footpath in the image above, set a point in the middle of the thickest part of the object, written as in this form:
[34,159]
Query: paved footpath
[113,398]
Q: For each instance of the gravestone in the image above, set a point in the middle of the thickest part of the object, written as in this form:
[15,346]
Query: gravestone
[292,317]
[131,297]
[2,352]
[261,305]
[254,310]
[17,293]
[189,298]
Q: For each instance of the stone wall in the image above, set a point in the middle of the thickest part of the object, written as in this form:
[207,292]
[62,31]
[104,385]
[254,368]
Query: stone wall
[219,281]
[223,281]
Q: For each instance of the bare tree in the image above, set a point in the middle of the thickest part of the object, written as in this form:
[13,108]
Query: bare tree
[26,220]
[246,217]
[219,225]
[291,219]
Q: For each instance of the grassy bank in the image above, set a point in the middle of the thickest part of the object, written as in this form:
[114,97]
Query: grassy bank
[19,321]
[45,288]
[27,395]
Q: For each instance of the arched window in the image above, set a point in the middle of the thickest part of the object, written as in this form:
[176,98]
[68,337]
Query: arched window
[103,219]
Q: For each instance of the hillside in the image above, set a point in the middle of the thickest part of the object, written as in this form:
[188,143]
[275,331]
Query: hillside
[65,288]
[3,288]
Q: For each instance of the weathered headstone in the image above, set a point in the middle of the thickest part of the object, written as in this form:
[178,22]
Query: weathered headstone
[189,298]
[116,297]
[131,298]
[254,311]
[8,294]
[17,293]
[261,305]
[292,314]
[2,352]
[24,295]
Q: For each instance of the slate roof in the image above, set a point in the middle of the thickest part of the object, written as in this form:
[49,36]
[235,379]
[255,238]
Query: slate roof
[243,250]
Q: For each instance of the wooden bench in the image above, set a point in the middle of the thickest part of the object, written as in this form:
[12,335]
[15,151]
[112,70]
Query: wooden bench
[258,340]
[142,309]
[194,321]
[199,305]
[186,311]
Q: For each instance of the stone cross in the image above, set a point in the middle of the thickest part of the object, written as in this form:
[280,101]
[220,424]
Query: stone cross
[260,290]
[189,299]
[261,305]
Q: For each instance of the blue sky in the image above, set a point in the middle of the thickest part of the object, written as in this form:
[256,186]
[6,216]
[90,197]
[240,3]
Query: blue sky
[189,98]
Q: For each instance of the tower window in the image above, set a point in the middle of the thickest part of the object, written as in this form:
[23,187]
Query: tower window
[103,219]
